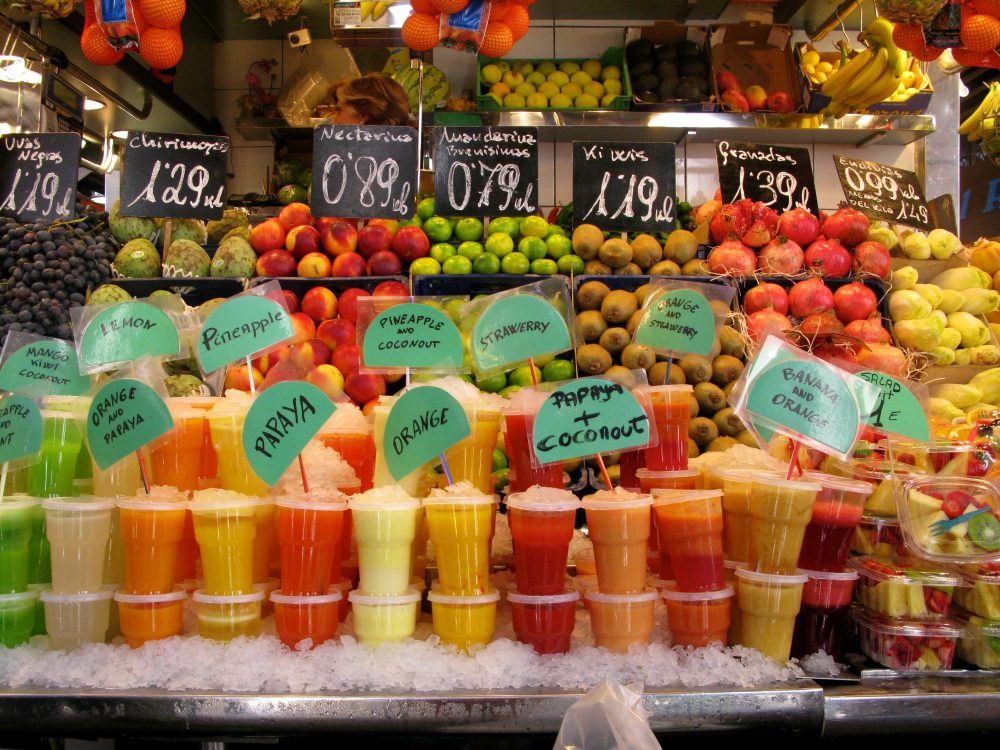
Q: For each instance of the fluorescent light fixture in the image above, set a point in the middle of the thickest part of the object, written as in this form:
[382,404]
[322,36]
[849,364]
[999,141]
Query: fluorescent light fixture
[92,105]
[119,134]
[13,69]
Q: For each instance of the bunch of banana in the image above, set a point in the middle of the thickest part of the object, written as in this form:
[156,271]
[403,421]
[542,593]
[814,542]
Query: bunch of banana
[983,120]
[869,77]
[373,10]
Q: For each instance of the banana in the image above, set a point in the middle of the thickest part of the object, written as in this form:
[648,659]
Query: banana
[971,123]
[843,77]
[874,71]
[883,88]
[366,9]
[380,8]
[879,33]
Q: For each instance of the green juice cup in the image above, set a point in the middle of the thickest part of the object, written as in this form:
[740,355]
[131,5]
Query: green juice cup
[39,553]
[55,473]
[15,543]
[17,617]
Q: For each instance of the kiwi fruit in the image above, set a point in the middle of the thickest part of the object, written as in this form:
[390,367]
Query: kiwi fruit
[630,270]
[681,246]
[728,423]
[618,306]
[725,369]
[693,450]
[696,267]
[703,431]
[621,375]
[746,438]
[696,369]
[710,398]
[720,444]
[591,294]
[633,322]
[596,268]
[615,252]
[638,357]
[646,251]
[641,293]
[728,388]
[592,359]
[984,531]
[658,372]
[615,339]
[587,240]
[665,268]
[732,343]
[590,325]
[694,408]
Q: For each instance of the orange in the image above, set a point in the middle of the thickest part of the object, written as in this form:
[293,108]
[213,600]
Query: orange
[909,38]
[161,48]
[95,47]
[498,9]
[165,14]
[497,41]
[980,33]
[421,31]
[989,7]
[423,6]
[518,20]
[971,59]
[449,6]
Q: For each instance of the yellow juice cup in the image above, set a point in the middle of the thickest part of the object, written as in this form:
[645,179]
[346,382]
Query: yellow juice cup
[461,529]
[225,527]
[222,618]
[464,621]
[381,619]
[385,525]
[72,620]
[768,607]
[471,459]
[736,487]
[234,472]
[383,478]
[78,530]
[779,513]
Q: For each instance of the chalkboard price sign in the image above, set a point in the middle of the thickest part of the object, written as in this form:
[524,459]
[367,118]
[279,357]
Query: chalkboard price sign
[38,174]
[364,170]
[882,192]
[778,176]
[624,187]
[486,171]
[174,176]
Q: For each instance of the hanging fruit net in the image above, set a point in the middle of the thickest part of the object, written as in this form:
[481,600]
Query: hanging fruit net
[910,12]
[270,10]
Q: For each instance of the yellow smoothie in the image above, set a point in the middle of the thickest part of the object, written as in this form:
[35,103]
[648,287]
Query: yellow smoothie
[460,522]
[225,528]
[736,484]
[385,525]
[768,607]
[383,478]
[222,618]
[780,510]
[225,421]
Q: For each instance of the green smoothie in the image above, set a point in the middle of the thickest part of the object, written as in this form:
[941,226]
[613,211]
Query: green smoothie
[17,617]
[15,540]
[55,473]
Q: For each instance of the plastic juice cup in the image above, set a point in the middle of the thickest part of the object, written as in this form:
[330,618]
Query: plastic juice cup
[823,617]
[150,617]
[698,618]
[518,424]
[768,607]
[384,530]
[684,479]
[779,513]
[209,462]
[39,553]
[39,626]
[17,483]
[176,461]
[358,449]
[730,567]
[222,618]
[78,530]
[268,587]
[629,462]
[464,621]
[383,478]
[297,618]
[151,531]
[585,562]
[114,562]
[17,617]
[736,488]
[471,459]
[74,619]
[187,551]
[461,528]
[121,479]
[418,550]
[544,622]
[671,413]
[690,525]
[541,524]
[225,527]
[619,529]
[234,472]
[83,475]
[835,516]
[55,472]
[263,541]
[381,619]
[15,543]
[621,620]
[309,535]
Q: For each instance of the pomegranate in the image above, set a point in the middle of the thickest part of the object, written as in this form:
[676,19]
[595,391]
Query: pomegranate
[756,236]
[834,354]
[810,297]
[884,358]
[781,255]
[854,301]
[766,296]
[745,208]
[763,225]
[847,225]
[828,257]
[870,330]
[764,323]
[871,257]
[821,324]
[732,257]
[727,223]
[799,225]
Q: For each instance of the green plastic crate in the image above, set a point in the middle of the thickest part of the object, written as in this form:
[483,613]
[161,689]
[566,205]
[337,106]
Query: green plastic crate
[613,56]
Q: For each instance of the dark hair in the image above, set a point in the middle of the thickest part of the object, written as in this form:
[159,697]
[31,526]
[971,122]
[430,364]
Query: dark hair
[378,98]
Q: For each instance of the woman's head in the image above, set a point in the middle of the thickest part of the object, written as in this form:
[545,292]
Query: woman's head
[372,99]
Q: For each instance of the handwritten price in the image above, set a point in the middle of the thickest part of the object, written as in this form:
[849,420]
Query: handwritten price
[179,186]
[876,185]
[645,191]
[371,172]
[503,177]
[781,186]
[45,188]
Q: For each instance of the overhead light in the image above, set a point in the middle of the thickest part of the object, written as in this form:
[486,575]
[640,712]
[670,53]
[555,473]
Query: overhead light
[121,135]
[91,105]
[83,143]
[13,69]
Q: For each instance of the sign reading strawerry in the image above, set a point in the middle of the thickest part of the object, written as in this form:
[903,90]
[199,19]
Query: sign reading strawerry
[423,423]
[42,366]
[241,327]
[413,335]
[38,175]
[127,331]
[516,328]
[125,415]
[679,320]
[20,428]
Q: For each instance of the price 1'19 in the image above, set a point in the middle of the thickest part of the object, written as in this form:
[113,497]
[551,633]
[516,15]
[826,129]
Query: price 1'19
[42,189]
[643,190]
[371,172]
[183,187]
[780,185]
[505,178]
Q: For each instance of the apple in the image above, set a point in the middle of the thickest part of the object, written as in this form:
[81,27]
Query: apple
[291,300]
[303,327]
[391,224]
[315,266]
[268,235]
[364,387]
[349,264]
[335,332]
[410,243]
[781,102]
[348,303]
[276,263]
[391,288]
[756,97]
[295,215]
[320,304]
[239,378]
[329,380]
[374,238]
[290,368]
[339,238]
[346,358]
[393,377]
[268,360]
[384,263]
[313,351]
[302,240]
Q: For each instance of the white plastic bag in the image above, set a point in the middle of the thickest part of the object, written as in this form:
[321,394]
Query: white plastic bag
[609,717]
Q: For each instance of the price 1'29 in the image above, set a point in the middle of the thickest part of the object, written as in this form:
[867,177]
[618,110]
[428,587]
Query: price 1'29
[187,188]
[43,189]
[780,185]
[504,177]
[371,172]
[645,190]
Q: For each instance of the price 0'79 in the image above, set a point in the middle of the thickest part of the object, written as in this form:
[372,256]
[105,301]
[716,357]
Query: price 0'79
[505,179]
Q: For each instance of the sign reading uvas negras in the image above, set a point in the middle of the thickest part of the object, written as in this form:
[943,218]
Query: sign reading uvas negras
[413,335]
[679,320]
[423,423]
[125,415]
[516,328]
[127,331]
[280,423]
[897,410]
[241,327]
[38,175]
[778,176]
[42,367]
[20,428]
[588,416]
[883,192]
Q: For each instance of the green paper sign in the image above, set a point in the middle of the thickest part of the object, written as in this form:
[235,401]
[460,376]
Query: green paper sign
[128,331]
[279,425]
[679,320]
[125,415]
[20,428]
[44,367]
[588,416]
[897,410]
[423,423]
[515,329]
[412,335]
[241,327]
[807,399]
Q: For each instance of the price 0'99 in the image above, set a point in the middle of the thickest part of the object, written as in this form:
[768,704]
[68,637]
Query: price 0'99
[779,190]
[885,186]
[40,196]
[180,185]
[481,181]
[379,180]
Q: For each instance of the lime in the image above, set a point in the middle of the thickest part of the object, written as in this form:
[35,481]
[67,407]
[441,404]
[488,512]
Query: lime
[467,378]
[457,265]
[425,267]
[544,266]
[501,444]
[515,263]
[504,225]
[425,209]
[442,251]
[500,480]
[416,221]
[468,228]
[499,244]
[558,245]
[555,229]
[499,460]
[544,359]
[471,250]
[534,226]
[558,369]
[486,263]
[522,376]
[509,390]
[533,247]
[437,229]
[570,264]
[454,307]
[493,383]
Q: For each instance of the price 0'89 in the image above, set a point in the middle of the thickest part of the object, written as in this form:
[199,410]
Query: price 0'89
[504,177]
[182,188]
[781,186]
[645,190]
[370,172]
[43,189]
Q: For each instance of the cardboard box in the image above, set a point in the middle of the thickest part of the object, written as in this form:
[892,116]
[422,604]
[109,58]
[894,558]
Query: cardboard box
[757,54]
[662,32]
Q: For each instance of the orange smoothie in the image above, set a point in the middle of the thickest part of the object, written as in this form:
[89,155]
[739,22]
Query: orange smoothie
[689,523]
[151,529]
[618,522]
[176,459]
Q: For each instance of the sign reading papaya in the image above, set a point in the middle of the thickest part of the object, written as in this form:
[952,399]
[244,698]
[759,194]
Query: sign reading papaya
[679,320]
[898,410]
[241,327]
[412,335]
[20,428]
[515,329]
[424,422]
[124,415]
[41,366]
[127,331]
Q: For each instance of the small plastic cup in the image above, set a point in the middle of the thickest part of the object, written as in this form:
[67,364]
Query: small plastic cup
[461,529]
[823,617]
[15,543]
[150,617]
[780,510]
[382,619]
[314,618]
[344,586]
[464,621]
[544,622]
[225,527]
[621,620]
[74,619]
[267,587]
[309,533]
[541,525]
[151,531]
[671,413]
[78,530]
[682,479]
[384,530]
[836,514]
[736,487]
[17,617]
[689,523]
[618,523]
[222,618]
[698,618]
[768,606]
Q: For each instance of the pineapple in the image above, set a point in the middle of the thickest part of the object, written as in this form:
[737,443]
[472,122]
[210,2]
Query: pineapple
[270,10]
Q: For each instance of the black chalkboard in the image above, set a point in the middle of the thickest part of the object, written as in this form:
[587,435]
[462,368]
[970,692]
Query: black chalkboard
[174,176]
[624,187]
[883,192]
[485,171]
[365,171]
[778,176]
[38,175]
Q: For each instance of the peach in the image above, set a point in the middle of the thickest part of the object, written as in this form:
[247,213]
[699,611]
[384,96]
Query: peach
[290,368]
[329,380]
[315,266]
[291,300]
[391,224]
[384,263]
[303,327]
[335,332]
[364,387]
[391,288]
[374,238]
[369,407]
[320,304]
[302,240]
[295,215]
[393,377]
[268,235]
[781,102]
[312,351]
[324,221]
[346,358]
[735,100]
[339,238]
[756,97]
[410,243]
[348,303]
[268,360]
[238,377]
[276,263]
[348,265]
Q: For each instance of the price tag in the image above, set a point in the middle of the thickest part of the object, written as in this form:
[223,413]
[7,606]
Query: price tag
[898,410]
[778,176]
[364,170]
[279,425]
[125,332]
[241,327]
[412,335]
[486,171]
[41,366]
[624,187]
[679,320]
[588,416]
[176,176]
[125,415]
[20,428]
[516,328]
[38,175]
[884,193]
[423,423]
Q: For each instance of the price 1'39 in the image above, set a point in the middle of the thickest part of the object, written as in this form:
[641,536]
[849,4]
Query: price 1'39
[643,190]
[371,172]
[44,188]
[505,178]
[774,188]
[180,186]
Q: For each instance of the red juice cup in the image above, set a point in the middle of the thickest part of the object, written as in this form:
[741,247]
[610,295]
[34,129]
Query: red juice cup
[518,424]
[823,616]
[541,524]
[298,618]
[358,449]
[309,535]
[698,618]
[836,514]
[628,464]
[690,524]
[671,413]
[544,622]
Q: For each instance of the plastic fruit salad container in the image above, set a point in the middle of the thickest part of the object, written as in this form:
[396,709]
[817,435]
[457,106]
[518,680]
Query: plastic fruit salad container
[980,643]
[951,519]
[903,587]
[884,476]
[982,594]
[906,644]
[878,536]
[943,458]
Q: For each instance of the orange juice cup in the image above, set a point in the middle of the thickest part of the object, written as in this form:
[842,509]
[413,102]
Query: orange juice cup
[471,459]
[222,618]
[225,527]
[209,467]
[780,510]
[621,620]
[585,562]
[358,449]
[685,479]
[768,607]
[461,529]
[150,617]
[618,522]
[464,621]
[176,461]
[690,524]
[698,618]
[309,535]
[736,486]
[541,525]
[315,618]
[671,413]
[151,531]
